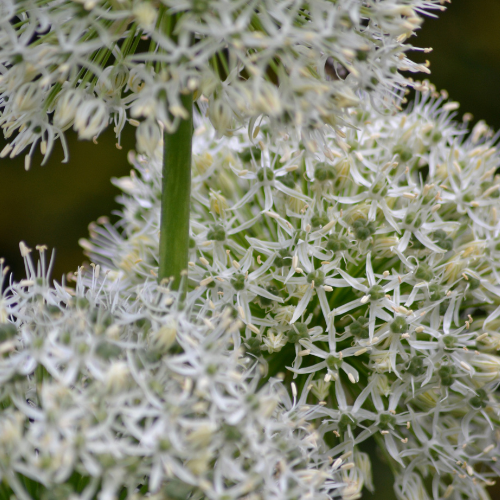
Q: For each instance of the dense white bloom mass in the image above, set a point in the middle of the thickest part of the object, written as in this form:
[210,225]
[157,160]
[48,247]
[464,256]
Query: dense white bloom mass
[344,261]
[111,397]
[367,264]
[89,63]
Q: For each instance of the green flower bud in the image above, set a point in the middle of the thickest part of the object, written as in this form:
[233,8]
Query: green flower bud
[345,422]
[361,55]
[53,310]
[474,283]
[380,188]
[231,432]
[437,136]
[317,276]
[337,243]
[413,219]
[82,303]
[319,221]
[210,284]
[416,366]
[299,331]
[217,233]
[265,301]
[265,174]
[442,240]
[386,421]
[359,328]
[252,346]
[283,258]
[443,307]
[446,373]
[288,180]
[7,331]
[405,153]
[106,350]
[238,282]
[324,173]
[199,6]
[416,244]
[424,272]
[399,325]
[376,292]
[246,155]
[449,341]
[363,229]
[480,400]
[468,197]
[333,362]
[435,291]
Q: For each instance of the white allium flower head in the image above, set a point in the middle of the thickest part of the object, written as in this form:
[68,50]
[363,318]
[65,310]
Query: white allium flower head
[101,394]
[302,64]
[364,266]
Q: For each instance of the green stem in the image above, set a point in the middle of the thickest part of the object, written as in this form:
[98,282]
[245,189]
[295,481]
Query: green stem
[176,198]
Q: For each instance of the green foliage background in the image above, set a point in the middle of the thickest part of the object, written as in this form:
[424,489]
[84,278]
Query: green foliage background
[53,205]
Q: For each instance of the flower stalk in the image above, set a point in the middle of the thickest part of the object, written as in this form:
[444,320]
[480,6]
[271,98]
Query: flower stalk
[176,192]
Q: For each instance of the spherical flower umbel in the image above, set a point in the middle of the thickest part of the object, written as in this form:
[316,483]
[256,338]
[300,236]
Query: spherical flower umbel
[84,64]
[102,395]
[374,285]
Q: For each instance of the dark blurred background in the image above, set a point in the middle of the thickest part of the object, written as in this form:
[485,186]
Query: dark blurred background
[53,205]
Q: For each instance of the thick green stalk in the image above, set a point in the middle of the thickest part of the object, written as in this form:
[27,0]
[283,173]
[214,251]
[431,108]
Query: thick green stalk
[176,198]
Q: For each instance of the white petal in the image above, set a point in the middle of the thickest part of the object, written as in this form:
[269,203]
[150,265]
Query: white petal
[301,306]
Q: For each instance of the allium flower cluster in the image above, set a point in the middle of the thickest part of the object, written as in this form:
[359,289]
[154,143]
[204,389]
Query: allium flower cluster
[87,64]
[364,265]
[104,397]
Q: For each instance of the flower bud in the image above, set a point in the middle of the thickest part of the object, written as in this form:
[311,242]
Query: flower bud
[218,203]
[208,83]
[284,314]
[487,366]
[118,377]
[148,136]
[67,106]
[381,361]
[28,97]
[202,162]
[268,100]
[199,465]
[135,78]
[346,98]
[91,118]
[11,430]
[111,80]
[221,116]
[363,463]
[145,14]
[201,436]
[165,337]
[274,341]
